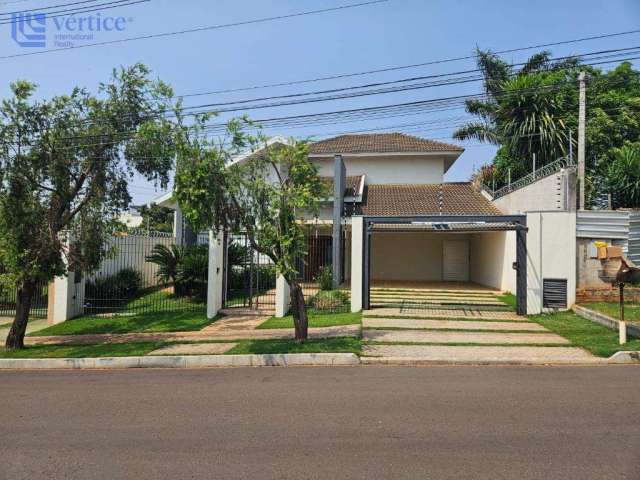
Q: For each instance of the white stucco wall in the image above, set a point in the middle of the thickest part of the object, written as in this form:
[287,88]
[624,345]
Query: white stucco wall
[389,169]
[409,256]
[492,256]
[551,253]
[555,192]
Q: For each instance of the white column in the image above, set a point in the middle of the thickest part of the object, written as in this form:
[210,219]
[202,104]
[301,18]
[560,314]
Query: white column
[283,297]
[66,296]
[215,276]
[357,230]
[178,225]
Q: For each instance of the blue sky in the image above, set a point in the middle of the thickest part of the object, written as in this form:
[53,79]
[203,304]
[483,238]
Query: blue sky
[397,32]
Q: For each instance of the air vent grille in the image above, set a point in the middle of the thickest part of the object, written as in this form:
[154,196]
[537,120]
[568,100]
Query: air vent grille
[554,293]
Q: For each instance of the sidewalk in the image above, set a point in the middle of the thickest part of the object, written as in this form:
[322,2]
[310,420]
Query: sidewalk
[226,329]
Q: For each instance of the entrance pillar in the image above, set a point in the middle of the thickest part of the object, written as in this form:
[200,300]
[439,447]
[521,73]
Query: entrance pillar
[215,273]
[283,297]
[357,263]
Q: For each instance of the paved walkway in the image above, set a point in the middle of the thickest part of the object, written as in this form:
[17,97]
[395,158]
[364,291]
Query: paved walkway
[473,354]
[210,336]
[489,338]
[476,333]
[417,324]
[458,313]
[194,349]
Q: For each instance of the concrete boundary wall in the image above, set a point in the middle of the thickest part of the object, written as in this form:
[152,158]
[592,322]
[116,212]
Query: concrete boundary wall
[555,192]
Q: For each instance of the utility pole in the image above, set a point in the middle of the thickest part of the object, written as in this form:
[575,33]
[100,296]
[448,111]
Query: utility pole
[581,138]
[534,166]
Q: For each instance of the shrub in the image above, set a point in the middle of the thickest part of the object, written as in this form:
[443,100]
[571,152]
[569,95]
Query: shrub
[167,259]
[124,284]
[325,279]
[330,300]
[192,271]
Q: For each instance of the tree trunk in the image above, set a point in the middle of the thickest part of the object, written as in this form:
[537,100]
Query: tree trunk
[15,338]
[300,320]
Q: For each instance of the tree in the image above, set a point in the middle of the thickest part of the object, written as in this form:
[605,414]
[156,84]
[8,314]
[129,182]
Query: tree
[533,110]
[623,176]
[157,218]
[524,111]
[64,167]
[265,195]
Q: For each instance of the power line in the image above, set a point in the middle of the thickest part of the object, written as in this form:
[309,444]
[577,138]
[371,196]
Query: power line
[104,6]
[414,65]
[197,29]
[359,114]
[394,89]
[46,8]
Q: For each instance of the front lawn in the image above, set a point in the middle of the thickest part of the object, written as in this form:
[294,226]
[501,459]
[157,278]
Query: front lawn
[316,320]
[584,333]
[144,322]
[80,351]
[319,345]
[631,310]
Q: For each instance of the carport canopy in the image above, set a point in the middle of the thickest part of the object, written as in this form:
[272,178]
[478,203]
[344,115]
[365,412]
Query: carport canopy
[449,224]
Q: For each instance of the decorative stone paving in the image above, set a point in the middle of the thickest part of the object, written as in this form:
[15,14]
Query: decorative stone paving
[445,313]
[423,336]
[472,354]
[450,324]
[194,349]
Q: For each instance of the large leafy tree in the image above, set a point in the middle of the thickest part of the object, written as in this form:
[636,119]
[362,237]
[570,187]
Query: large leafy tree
[157,218]
[523,111]
[622,177]
[533,109]
[265,195]
[64,167]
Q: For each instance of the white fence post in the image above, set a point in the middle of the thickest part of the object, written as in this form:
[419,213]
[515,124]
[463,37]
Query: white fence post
[283,297]
[215,274]
[66,296]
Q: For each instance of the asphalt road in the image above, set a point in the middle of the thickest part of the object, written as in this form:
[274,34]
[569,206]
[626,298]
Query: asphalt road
[325,423]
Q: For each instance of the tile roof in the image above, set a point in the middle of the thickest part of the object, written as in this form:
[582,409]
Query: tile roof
[352,187]
[380,143]
[425,199]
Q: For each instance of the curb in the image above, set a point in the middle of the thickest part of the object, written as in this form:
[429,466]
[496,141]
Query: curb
[605,320]
[625,357]
[417,361]
[182,361]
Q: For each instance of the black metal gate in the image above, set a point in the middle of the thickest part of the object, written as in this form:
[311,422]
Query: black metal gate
[148,273]
[39,303]
[250,276]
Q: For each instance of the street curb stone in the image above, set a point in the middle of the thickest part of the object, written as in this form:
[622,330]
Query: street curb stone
[182,361]
[605,320]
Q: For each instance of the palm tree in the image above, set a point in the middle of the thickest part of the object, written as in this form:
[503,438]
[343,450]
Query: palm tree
[524,109]
[168,260]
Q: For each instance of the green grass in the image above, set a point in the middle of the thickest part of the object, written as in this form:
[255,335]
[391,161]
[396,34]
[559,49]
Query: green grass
[145,322]
[316,320]
[80,351]
[508,299]
[584,333]
[320,345]
[631,310]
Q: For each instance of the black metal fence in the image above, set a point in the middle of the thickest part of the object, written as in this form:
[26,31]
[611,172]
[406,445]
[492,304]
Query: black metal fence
[148,274]
[250,276]
[316,278]
[39,303]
